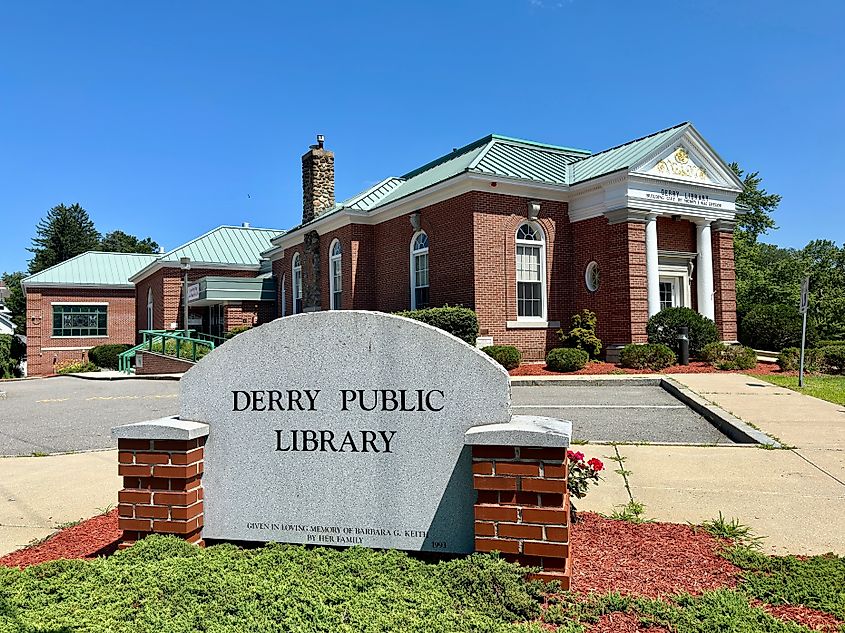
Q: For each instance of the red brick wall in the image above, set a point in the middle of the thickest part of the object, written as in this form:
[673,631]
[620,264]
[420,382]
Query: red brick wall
[724,284]
[39,316]
[167,285]
[153,363]
[496,220]
[675,235]
[628,283]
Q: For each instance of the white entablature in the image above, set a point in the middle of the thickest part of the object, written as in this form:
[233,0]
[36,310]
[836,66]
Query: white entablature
[684,176]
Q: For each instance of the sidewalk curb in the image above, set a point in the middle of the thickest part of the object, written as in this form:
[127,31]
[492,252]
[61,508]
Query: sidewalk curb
[126,377]
[631,380]
[728,424]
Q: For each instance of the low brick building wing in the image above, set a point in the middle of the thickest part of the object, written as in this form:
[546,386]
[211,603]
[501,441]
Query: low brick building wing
[79,304]
[526,234]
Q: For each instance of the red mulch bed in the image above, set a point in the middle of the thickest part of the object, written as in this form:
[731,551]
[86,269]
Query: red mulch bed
[619,622]
[646,559]
[602,368]
[806,616]
[91,538]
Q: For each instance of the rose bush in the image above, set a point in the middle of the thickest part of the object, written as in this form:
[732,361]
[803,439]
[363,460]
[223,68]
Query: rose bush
[581,474]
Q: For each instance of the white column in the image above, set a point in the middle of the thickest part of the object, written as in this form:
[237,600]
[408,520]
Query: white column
[651,268]
[704,273]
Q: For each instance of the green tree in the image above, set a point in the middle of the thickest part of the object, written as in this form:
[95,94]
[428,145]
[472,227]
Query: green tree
[17,300]
[757,220]
[120,242]
[64,233]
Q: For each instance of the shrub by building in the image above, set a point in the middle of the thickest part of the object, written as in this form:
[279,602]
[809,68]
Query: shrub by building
[507,356]
[461,322]
[566,359]
[789,359]
[106,356]
[582,334]
[665,326]
[655,356]
[723,356]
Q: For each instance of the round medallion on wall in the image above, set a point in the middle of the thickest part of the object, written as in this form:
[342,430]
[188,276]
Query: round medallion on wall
[591,276]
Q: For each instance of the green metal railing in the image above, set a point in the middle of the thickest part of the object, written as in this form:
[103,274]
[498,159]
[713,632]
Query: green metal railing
[157,341]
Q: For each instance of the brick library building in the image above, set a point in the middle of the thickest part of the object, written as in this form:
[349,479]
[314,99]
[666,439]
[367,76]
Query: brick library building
[524,233]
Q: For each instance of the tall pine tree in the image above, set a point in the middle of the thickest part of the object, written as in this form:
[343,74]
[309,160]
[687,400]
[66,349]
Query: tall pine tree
[66,232]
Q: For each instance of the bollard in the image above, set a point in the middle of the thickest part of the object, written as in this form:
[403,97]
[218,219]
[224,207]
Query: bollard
[683,339]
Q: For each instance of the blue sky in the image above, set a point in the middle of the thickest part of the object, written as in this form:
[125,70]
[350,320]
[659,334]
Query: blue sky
[167,119]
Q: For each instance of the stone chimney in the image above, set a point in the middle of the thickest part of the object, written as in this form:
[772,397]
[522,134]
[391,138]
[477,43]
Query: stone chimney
[317,181]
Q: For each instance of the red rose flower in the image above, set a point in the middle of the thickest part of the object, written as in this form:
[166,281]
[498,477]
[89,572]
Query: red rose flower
[576,457]
[595,464]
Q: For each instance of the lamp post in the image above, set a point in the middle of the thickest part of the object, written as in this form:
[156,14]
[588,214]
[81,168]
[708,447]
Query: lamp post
[185,263]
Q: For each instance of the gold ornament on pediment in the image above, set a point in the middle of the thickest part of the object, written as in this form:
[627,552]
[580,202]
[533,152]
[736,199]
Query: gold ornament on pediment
[679,165]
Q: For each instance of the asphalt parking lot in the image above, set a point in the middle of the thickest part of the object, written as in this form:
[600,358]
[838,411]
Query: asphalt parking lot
[64,414]
[619,413]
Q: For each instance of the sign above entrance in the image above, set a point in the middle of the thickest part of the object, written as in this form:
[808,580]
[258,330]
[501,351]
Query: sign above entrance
[193,292]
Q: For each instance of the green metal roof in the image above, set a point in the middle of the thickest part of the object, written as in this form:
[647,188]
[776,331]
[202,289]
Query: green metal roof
[93,269]
[622,156]
[232,245]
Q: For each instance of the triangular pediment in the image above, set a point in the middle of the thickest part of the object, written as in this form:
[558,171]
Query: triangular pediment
[687,157]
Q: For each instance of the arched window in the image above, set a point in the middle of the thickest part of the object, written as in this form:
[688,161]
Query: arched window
[530,273]
[419,271]
[150,306]
[335,275]
[297,284]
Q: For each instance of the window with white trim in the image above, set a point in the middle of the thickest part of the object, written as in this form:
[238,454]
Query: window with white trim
[80,320]
[530,272]
[335,275]
[296,278]
[419,270]
[150,306]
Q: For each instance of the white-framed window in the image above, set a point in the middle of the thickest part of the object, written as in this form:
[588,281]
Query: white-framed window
[296,279]
[675,273]
[419,270]
[150,306]
[335,275]
[591,276]
[530,272]
[669,296]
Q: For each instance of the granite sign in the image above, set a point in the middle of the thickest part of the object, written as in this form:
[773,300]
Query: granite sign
[343,428]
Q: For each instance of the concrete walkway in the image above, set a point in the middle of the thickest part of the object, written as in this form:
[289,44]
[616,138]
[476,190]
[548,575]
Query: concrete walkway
[37,494]
[796,497]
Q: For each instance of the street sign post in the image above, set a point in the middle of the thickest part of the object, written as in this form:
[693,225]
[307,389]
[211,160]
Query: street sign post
[803,307]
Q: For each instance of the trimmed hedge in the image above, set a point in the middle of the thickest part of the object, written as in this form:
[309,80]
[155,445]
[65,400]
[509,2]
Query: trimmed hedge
[566,359]
[834,358]
[789,359]
[185,349]
[654,356]
[461,322]
[106,356]
[774,328]
[664,326]
[724,356]
[236,330]
[506,355]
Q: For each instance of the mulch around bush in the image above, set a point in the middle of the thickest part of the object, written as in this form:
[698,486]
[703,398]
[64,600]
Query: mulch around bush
[652,560]
[600,368]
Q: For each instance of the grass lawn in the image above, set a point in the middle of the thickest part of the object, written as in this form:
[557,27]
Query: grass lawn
[164,584]
[830,388]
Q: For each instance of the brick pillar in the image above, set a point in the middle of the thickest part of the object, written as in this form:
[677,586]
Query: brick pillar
[724,279]
[522,508]
[162,481]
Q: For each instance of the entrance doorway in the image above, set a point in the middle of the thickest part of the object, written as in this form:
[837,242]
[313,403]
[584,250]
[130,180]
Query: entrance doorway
[216,320]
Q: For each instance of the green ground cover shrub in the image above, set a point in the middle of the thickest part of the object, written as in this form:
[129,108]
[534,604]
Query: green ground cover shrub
[75,367]
[834,359]
[773,328]
[663,328]
[106,356]
[566,359]
[461,322]
[169,347]
[724,356]
[506,355]
[165,584]
[790,358]
[654,356]
[582,334]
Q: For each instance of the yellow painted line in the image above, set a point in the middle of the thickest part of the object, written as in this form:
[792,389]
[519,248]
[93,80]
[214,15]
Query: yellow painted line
[53,400]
